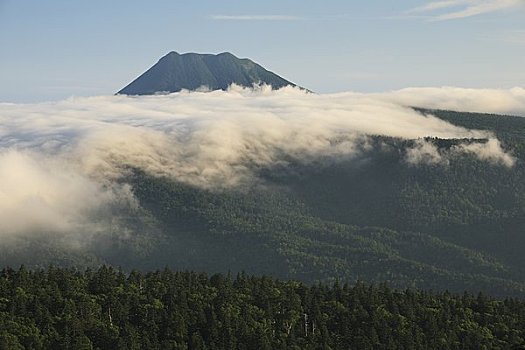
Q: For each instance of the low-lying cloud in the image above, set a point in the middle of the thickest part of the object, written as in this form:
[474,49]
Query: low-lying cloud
[40,193]
[511,101]
[62,163]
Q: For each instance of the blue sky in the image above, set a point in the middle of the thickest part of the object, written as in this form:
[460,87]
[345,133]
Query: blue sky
[55,49]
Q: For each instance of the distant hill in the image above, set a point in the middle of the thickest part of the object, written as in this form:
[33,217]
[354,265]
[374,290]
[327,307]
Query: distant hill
[192,71]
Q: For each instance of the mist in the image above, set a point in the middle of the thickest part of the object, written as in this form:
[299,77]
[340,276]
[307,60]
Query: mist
[497,101]
[62,164]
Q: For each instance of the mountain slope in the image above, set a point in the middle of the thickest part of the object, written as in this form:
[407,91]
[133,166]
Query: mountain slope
[455,225]
[192,71]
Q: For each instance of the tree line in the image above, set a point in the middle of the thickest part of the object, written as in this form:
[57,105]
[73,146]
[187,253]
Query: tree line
[58,308]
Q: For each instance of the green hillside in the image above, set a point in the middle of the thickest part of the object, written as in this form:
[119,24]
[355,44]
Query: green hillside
[455,226]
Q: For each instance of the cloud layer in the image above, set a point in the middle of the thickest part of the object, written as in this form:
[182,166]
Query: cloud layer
[511,101]
[60,162]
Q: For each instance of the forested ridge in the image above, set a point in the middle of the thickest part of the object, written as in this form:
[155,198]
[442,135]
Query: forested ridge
[58,308]
[456,224]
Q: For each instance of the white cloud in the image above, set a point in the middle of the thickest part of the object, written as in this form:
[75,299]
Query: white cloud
[60,162]
[455,9]
[490,151]
[255,18]
[423,153]
[438,5]
[498,101]
[41,193]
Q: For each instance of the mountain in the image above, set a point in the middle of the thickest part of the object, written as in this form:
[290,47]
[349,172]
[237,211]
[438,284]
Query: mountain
[378,218]
[192,71]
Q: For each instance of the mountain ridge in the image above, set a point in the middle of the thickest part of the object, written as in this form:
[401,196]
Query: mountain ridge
[375,218]
[192,71]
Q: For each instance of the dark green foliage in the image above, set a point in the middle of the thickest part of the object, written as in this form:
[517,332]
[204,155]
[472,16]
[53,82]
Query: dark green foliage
[270,232]
[106,309]
[456,225]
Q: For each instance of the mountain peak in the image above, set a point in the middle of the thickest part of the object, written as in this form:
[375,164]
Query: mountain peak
[191,71]
[226,53]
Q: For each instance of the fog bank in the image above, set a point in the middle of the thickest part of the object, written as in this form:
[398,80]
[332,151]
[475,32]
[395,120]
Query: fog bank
[59,161]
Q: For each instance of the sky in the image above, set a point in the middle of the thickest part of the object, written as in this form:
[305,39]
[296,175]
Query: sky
[52,50]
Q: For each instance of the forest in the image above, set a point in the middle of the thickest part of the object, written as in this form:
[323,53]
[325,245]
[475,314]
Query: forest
[452,225]
[58,308]
[369,252]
